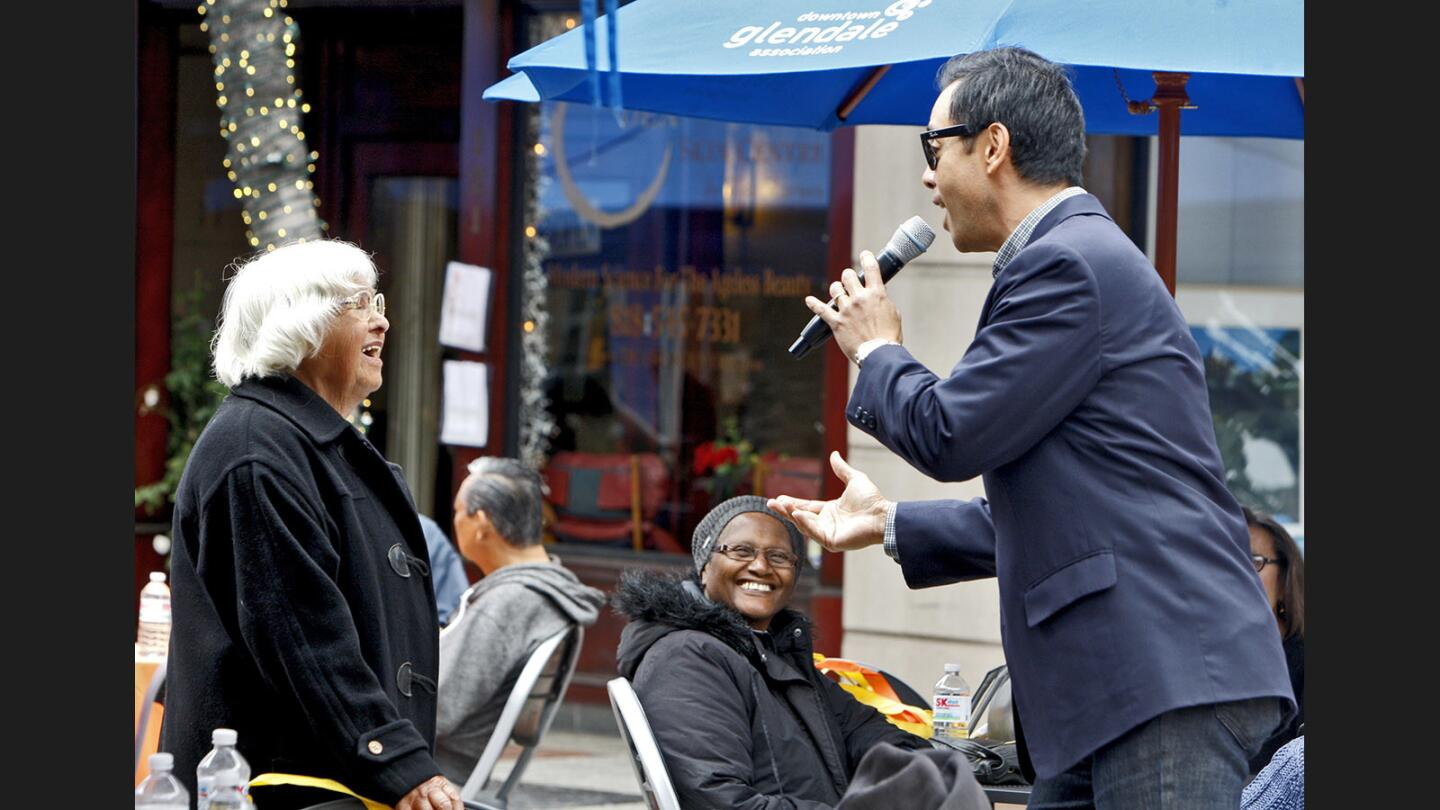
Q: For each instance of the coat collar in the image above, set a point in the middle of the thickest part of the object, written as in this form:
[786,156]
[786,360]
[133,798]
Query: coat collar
[658,604]
[1080,204]
[296,401]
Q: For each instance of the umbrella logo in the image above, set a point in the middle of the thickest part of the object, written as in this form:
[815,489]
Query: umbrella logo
[820,30]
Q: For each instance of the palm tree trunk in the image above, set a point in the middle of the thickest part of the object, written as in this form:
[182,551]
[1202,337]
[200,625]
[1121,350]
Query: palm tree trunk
[253,44]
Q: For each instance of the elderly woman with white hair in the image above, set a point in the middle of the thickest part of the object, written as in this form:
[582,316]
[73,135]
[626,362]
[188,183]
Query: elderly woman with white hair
[304,614]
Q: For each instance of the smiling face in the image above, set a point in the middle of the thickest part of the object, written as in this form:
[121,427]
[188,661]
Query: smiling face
[755,589]
[347,369]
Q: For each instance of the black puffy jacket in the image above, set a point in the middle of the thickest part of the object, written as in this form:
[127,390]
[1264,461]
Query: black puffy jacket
[742,718]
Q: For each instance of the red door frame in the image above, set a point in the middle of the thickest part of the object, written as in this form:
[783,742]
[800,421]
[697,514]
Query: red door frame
[154,246]
[487,157]
[827,604]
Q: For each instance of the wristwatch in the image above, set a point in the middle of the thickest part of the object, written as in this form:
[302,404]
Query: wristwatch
[869,346]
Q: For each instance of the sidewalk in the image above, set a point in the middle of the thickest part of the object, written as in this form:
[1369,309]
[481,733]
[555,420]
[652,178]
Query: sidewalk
[573,770]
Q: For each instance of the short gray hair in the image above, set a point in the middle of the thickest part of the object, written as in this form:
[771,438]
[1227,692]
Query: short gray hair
[280,303]
[509,493]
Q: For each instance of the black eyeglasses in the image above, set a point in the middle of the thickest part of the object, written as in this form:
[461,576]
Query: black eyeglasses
[776,557]
[1259,562]
[928,138]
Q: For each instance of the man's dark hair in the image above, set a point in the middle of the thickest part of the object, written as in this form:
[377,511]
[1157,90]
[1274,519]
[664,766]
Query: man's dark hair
[1033,98]
[509,493]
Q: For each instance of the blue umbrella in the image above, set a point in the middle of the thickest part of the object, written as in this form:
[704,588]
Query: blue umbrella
[1235,66]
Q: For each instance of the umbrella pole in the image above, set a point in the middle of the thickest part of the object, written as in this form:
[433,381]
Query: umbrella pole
[1170,96]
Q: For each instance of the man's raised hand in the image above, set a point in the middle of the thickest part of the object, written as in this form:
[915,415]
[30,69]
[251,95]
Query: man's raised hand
[854,520]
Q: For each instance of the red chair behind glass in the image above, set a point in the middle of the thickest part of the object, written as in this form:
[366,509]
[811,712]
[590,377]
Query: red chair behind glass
[609,498]
[796,477]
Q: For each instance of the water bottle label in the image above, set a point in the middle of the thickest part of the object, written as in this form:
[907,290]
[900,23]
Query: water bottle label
[223,795]
[154,608]
[952,708]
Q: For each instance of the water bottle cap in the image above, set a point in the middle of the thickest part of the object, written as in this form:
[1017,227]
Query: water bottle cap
[162,761]
[955,668]
[223,736]
[157,576]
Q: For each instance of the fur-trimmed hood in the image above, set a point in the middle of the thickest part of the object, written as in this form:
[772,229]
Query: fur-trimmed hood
[660,604]
[744,718]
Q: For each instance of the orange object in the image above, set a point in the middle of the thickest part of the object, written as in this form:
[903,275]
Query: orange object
[144,671]
[870,686]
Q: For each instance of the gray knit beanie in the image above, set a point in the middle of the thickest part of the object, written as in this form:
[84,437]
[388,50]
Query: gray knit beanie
[715,521]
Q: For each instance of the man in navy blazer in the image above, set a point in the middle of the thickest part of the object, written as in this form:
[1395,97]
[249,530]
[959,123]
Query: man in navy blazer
[1144,660]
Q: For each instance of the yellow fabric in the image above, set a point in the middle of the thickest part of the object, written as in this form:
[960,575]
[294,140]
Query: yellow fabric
[871,688]
[268,779]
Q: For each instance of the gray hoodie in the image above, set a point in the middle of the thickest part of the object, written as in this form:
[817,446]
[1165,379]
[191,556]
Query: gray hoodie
[502,618]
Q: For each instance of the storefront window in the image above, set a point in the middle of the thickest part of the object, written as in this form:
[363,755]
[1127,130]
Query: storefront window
[679,252]
[1241,267]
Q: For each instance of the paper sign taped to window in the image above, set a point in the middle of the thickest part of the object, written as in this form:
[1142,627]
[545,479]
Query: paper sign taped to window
[464,311]
[466,419]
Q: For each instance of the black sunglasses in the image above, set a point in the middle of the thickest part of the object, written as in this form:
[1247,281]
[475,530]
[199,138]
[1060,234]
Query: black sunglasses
[928,138]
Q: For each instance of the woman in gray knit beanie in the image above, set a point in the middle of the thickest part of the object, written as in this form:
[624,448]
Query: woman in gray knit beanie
[748,556]
[726,672]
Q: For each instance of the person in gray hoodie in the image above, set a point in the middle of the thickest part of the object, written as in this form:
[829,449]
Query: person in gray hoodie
[525,597]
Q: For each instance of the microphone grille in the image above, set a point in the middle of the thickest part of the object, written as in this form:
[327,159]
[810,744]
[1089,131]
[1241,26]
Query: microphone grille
[911,239]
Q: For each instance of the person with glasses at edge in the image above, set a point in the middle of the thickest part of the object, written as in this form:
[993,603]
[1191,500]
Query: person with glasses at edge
[303,611]
[724,670]
[1145,668]
[1281,567]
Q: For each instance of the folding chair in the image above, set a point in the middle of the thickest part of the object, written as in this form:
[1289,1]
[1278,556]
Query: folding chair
[147,703]
[644,753]
[527,714]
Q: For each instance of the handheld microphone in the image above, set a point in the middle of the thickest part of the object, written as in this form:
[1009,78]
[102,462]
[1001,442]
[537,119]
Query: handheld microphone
[910,240]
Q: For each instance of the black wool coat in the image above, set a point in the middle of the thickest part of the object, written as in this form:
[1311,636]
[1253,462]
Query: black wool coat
[304,616]
[743,719]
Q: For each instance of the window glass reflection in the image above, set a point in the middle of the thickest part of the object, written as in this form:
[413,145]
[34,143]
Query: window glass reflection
[679,252]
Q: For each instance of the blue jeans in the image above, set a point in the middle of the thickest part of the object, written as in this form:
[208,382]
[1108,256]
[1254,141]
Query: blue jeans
[1196,758]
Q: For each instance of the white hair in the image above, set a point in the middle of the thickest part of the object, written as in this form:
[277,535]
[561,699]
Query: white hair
[279,305]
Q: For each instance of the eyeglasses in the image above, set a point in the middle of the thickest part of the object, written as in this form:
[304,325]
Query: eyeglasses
[366,300]
[1259,562]
[776,557]
[928,138]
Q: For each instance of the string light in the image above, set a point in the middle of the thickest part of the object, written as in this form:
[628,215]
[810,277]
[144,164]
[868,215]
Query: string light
[272,187]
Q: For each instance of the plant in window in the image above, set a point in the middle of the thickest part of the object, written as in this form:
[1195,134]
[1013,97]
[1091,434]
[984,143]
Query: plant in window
[194,394]
[726,466]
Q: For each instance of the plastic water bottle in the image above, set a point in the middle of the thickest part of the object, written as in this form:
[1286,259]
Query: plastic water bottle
[161,790]
[952,705]
[222,778]
[152,640]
